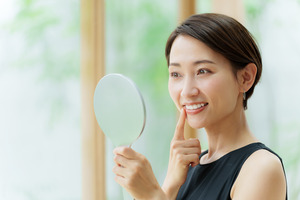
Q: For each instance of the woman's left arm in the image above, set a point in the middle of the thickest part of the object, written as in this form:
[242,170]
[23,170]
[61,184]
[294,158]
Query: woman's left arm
[261,178]
[134,173]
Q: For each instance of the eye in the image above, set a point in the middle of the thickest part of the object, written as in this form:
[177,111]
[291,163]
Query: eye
[203,71]
[175,74]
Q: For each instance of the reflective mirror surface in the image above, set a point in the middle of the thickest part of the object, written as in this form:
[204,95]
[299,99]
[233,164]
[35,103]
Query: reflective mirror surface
[119,109]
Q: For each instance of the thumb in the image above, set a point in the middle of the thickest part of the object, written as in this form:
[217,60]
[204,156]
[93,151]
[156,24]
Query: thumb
[179,131]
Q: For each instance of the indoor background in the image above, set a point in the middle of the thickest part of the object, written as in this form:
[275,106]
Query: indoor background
[40,101]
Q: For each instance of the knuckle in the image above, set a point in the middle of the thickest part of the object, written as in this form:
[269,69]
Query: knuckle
[144,161]
[199,151]
[135,170]
[124,150]
[116,158]
[132,174]
[196,160]
[175,151]
[180,158]
[138,168]
[114,169]
[194,142]
[197,142]
[174,144]
[195,157]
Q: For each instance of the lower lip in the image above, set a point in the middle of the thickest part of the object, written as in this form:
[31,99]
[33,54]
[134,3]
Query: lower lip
[196,111]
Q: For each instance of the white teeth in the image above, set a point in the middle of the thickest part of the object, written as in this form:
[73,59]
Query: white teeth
[194,106]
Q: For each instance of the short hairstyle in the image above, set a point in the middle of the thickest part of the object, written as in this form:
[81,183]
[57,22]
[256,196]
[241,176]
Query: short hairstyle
[224,35]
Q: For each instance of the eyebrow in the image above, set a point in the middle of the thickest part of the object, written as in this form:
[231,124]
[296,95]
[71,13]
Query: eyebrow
[195,63]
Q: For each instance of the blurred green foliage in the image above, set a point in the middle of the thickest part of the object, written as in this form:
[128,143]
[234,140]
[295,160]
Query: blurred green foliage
[46,36]
[45,39]
[136,37]
[254,10]
[43,47]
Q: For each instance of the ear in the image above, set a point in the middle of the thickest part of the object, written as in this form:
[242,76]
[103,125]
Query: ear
[246,77]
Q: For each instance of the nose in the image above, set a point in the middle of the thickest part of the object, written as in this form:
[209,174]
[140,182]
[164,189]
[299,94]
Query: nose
[189,88]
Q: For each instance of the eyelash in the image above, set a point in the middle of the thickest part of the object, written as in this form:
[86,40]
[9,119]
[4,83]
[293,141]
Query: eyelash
[200,71]
[204,71]
[175,74]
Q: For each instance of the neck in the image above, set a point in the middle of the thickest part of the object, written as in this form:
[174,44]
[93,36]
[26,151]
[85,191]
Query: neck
[229,134]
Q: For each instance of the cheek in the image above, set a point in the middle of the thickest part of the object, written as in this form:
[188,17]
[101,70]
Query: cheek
[223,91]
[174,91]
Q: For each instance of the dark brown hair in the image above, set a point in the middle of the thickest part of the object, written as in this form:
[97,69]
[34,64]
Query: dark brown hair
[224,35]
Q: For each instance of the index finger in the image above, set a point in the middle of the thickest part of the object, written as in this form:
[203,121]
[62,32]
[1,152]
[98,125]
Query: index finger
[179,131]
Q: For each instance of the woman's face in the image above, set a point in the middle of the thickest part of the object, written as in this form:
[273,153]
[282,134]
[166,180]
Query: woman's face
[202,82]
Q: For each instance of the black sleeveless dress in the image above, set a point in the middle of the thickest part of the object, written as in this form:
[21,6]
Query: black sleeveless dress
[214,181]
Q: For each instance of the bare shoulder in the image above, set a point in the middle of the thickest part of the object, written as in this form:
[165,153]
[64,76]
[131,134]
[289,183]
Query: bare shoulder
[261,177]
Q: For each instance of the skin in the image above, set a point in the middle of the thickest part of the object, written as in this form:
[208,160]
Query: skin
[198,75]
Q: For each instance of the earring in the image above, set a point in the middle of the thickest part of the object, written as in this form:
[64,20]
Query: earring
[244,96]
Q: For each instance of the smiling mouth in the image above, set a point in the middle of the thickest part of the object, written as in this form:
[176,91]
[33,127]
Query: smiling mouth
[195,106]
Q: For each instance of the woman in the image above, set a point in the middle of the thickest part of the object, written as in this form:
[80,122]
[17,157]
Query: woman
[214,65]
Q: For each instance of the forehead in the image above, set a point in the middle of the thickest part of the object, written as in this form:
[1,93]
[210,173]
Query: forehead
[187,49]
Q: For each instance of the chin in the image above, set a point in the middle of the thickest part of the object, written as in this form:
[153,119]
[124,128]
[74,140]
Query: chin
[195,124]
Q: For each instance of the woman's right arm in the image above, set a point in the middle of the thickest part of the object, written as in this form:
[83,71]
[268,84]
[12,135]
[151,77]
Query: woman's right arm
[183,153]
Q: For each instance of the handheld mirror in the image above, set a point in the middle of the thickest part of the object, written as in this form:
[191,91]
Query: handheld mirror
[119,108]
